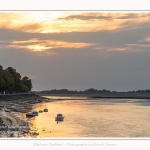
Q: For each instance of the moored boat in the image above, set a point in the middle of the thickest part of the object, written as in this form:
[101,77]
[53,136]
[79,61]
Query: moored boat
[45,110]
[48,100]
[40,111]
[32,114]
[59,117]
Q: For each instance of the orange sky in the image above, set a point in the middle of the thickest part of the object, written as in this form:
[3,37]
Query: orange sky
[57,21]
[61,22]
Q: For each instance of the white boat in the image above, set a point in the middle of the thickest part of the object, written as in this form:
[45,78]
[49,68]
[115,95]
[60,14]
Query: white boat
[32,114]
[47,100]
[59,117]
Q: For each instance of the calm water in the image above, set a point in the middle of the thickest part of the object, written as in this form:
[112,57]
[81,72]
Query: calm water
[94,118]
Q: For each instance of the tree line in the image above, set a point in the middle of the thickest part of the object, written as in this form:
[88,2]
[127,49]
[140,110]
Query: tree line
[12,82]
[87,91]
[66,91]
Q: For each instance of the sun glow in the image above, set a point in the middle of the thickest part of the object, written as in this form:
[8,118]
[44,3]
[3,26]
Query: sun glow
[43,45]
[57,21]
[37,48]
[44,31]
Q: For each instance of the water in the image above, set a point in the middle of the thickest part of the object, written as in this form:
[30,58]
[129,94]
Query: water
[94,118]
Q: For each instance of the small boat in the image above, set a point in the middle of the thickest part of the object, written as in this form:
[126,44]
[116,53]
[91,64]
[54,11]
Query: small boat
[32,114]
[48,100]
[45,110]
[40,111]
[59,117]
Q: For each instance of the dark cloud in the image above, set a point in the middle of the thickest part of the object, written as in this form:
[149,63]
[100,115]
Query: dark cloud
[86,17]
[96,16]
[133,15]
[128,16]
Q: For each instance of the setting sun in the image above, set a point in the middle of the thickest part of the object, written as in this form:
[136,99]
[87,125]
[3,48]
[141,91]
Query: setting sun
[37,48]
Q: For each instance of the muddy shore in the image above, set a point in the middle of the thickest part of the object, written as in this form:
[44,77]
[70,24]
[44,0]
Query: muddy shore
[13,121]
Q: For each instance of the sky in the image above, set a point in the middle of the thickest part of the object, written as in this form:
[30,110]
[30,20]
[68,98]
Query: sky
[78,50]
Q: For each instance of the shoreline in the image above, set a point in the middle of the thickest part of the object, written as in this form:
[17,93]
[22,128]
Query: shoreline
[117,96]
[13,122]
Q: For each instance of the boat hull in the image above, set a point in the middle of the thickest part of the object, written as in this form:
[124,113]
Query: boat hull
[59,119]
[33,114]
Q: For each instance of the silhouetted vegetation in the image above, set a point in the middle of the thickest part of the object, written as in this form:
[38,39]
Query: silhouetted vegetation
[87,91]
[12,82]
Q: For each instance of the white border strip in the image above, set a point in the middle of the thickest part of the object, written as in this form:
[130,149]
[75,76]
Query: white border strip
[76,144]
[106,5]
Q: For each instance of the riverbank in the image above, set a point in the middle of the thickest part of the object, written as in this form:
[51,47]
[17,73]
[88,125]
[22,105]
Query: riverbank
[104,95]
[13,121]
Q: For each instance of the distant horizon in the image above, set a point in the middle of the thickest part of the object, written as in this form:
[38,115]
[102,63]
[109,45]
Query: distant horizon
[93,88]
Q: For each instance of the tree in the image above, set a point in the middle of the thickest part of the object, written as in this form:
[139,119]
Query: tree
[27,82]
[10,81]
[16,78]
[1,68]
[6,81]
[23,88]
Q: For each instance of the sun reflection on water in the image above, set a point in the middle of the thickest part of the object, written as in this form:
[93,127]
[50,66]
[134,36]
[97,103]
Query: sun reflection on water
[93,118]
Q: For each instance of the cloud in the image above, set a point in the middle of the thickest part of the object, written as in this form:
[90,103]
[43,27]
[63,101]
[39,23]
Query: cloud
[42,45]
[32,27]
[128,16]
[88,16]
[18,21]
[118,40]
[133,15]
[48,22]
